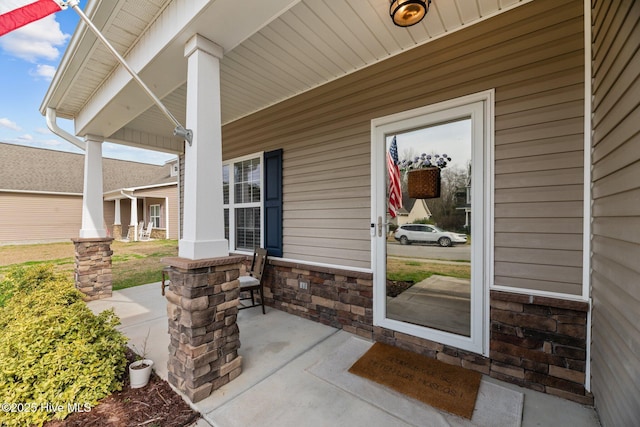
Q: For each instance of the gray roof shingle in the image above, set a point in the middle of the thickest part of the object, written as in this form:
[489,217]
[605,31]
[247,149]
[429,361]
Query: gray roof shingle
[38,169]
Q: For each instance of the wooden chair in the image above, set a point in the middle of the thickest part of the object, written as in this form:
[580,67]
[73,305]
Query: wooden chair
[253,281]
[165,278]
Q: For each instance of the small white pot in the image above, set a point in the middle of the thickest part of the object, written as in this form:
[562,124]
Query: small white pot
[139,377]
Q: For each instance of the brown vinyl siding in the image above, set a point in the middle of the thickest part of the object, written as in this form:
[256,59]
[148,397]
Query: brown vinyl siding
[532,56]
[109,215]
[615,275]
[28,217]
[157,196]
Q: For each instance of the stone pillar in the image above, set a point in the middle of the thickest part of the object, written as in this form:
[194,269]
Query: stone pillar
[117,231]
[202,309]
[93,267]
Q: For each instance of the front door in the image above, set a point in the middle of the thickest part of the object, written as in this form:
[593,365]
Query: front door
[431,256]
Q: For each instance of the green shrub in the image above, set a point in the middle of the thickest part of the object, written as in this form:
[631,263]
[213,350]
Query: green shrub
[25,280]
[54,352]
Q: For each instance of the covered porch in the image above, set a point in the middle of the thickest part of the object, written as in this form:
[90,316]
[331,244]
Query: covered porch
[295,374]
[293,107]
[129,211]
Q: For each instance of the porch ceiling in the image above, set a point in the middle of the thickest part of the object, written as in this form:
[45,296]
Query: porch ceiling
[284,48]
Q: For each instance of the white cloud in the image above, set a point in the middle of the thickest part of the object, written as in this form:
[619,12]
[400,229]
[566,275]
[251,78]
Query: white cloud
[46,71]
[125,152]
[25,137]
[6,123]
[35,41]
[43,131]
[51,142]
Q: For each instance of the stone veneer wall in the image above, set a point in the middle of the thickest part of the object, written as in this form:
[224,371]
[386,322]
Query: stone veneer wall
[93,267]
[202,309]
[540,343]
[116,231]
[159,233]
[536,342]
[339,298]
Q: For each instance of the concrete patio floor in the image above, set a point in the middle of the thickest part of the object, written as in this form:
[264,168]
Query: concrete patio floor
[278,387]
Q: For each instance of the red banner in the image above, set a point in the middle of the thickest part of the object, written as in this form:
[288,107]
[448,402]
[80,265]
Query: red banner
[26,14]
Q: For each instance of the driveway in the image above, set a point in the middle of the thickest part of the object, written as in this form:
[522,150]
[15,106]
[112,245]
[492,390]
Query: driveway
[429,251]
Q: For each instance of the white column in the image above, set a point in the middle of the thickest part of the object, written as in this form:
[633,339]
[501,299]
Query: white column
[166,217]
[203,235]
[92,208]
[117,219]
[134,218]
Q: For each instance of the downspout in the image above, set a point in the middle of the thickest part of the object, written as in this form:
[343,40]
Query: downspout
[52,124]
[588,196]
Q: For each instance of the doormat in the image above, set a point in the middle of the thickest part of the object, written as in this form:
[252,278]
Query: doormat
[447,387]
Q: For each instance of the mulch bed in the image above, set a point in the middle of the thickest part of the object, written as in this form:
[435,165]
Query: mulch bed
[396,287]
[154,405]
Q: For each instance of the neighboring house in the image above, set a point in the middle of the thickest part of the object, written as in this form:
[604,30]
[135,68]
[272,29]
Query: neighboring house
[417,210]
[463,202]
[41,195]
[290,105]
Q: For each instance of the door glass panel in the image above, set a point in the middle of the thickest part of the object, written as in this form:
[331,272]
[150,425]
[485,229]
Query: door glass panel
[428,245]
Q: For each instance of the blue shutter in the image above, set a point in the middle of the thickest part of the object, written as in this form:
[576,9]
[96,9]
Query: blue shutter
[273,202]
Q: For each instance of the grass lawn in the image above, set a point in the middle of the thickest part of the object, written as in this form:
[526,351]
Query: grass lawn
[134,263]
[399,269]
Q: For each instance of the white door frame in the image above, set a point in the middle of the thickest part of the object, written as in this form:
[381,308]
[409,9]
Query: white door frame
[480,107]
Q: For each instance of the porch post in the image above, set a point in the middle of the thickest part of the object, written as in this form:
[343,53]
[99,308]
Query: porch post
[117,221]
[93,247]
[117,218]
[134,218]
[203,235]
[92,204]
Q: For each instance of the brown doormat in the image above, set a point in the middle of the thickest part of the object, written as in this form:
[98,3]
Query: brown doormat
[447,387]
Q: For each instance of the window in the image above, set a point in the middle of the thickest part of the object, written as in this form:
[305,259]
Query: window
[252,201]
[242,197]
[154,215]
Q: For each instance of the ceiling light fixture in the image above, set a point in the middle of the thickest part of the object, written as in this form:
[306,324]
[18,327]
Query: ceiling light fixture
[406,13]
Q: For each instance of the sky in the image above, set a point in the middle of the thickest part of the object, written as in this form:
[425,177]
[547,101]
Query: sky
[452,139]
[29,57]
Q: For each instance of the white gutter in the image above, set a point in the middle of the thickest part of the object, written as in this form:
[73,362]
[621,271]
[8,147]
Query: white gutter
[126,195]
[52,124]
[47,193]
[588,197]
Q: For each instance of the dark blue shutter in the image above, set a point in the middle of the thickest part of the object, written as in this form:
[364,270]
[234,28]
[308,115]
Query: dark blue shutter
[273,202]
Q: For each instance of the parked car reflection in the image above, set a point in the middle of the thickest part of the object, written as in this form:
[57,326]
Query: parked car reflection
[425,233]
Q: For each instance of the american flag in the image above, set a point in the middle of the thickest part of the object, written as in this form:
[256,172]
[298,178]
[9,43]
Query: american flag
[395,190]
[17,13]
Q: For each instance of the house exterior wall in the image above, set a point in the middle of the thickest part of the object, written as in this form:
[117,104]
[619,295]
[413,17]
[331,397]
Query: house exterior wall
[157,196]
[109,215]
[418,212]
[615,274]
[30,217]
[532,56]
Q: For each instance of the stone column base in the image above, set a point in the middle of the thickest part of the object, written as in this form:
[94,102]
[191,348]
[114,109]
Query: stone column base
[117,231]
[131,233]
[93,267]
[202,309]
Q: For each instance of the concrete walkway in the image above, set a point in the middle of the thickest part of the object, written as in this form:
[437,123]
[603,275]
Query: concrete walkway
[292,375]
